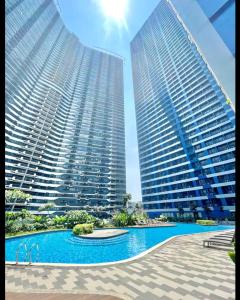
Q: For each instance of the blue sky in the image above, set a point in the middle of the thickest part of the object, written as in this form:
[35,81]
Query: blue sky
[106,27]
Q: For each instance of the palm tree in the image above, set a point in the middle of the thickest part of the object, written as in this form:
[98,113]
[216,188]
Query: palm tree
[221,208]
[126,198]
[193,209]
[207,210]
[138,207]
[87,207]
[180,211]
[14,196]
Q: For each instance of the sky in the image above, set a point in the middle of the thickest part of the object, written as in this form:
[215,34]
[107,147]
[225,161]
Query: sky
[111,25]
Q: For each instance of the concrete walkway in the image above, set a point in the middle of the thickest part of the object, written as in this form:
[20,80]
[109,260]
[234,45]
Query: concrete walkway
[179,270]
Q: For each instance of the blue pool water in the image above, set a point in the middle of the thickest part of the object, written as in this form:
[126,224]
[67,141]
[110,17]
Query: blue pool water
[64,247]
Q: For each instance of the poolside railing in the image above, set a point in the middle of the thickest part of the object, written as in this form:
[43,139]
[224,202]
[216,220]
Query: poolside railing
[28,253]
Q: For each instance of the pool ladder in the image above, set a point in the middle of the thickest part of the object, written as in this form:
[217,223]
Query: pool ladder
[28,252]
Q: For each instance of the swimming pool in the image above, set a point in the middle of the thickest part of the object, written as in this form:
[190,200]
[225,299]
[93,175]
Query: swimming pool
[64,247]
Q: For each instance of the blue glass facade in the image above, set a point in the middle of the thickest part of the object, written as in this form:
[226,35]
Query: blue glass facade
[221,13]
[64,113]
[186,128]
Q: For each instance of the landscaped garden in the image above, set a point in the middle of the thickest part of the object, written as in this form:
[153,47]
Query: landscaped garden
[25,221]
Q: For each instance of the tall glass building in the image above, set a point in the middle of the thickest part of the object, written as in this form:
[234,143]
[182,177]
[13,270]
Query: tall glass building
[212,26]
[64,113]
[185,122]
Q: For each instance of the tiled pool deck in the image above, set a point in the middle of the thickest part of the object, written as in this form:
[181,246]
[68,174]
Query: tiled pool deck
[180,269]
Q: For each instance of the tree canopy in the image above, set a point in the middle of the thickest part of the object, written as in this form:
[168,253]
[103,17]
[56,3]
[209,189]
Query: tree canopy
[16,196]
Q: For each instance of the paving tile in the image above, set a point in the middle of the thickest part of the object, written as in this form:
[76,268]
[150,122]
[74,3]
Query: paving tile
[181,291]
[165,298]
[174,295]
[217,297]
[148,296]
[198,295]
[192,272]
[209,286]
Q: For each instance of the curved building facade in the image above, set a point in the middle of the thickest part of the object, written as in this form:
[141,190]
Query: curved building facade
[185,123]
[64,113]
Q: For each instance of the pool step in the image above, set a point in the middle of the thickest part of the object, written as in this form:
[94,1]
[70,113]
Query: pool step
[97,242]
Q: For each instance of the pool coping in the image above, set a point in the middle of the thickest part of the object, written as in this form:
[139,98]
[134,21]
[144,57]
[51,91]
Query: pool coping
[140,255]
[66,229]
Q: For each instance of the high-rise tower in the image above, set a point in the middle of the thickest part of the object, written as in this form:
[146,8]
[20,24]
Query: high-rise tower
[185,122]
[64,113]
[212,26]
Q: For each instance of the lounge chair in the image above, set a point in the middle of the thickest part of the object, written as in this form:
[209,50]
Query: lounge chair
[217,242]
[225,236]
[227,233]
[220,240]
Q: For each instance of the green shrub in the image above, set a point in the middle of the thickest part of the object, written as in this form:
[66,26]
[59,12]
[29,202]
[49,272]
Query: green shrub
[92,220]
[232,255]
[49,222]
[14,222]
[205,222]
[101,223]
[106,223]
[8,226]
[27,224]
[59,226]
[74,217]
[10,216]
[39,219]
[163,218]
[28,227]
[138,217]
[82,229]
[25,214]
[40,226]
[26,221]
[59,220]
[124,219]
[13,226]
[121,219]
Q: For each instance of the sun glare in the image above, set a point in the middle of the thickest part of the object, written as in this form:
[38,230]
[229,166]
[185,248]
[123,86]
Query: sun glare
[115,10]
